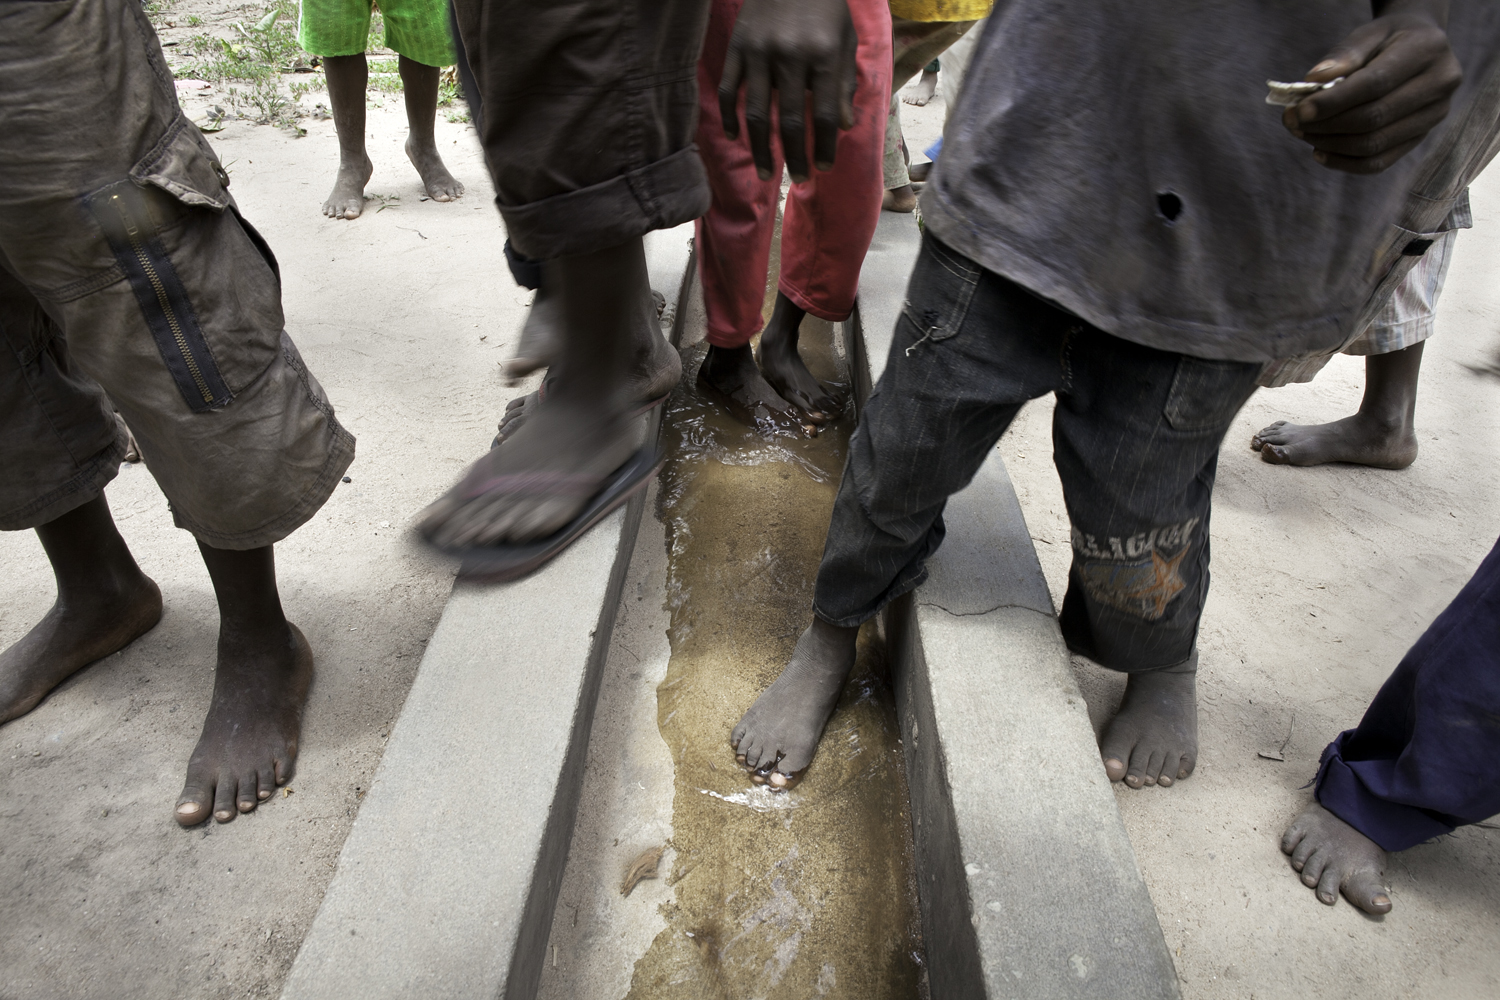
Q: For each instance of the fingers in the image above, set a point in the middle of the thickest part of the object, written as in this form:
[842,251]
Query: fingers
[792,85]
[828,114]
[1410,55]
[729,90]
[758,115]
[1368,164]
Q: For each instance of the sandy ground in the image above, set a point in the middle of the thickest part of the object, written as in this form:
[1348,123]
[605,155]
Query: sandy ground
[1321,580]
[101,894]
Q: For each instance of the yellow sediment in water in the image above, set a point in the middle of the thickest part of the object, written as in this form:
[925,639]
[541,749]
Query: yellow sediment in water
[797,894]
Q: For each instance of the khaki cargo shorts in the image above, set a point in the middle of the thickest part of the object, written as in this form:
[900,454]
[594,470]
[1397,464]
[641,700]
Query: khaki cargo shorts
[126,268]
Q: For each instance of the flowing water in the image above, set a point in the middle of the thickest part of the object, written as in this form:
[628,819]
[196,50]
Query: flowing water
[796,894]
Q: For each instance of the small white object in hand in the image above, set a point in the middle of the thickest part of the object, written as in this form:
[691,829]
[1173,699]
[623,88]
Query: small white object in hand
[1286,95]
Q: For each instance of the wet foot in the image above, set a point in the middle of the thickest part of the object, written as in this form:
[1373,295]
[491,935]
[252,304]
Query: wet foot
[440,184]
[926,87]
[249,741]
[347,200]
[648,383]
[1333,857]
[731,375]
[1360,440]
[71,636]
[777,737]
[1153,738]
[784,369]
[901,199]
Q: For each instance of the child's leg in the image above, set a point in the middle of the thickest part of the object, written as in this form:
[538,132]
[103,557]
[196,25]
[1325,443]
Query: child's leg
[347,78]
[829,221]
[1136,437]
[249,740]
[950,388]
[104,602]
[419,83]
[733,238]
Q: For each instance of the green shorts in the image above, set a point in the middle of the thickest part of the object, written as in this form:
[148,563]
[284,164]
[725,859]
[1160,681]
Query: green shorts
[417,29]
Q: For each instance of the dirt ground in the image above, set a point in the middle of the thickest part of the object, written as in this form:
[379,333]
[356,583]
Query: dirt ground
[403,315]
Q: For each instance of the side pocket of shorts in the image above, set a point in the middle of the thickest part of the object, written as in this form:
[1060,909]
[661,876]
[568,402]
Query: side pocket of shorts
[938,295]
[1205,395]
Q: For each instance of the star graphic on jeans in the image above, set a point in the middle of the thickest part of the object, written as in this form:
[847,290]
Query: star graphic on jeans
[1164,584]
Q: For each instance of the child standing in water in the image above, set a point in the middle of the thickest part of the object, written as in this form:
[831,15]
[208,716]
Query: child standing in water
[1117,218]
[417,30]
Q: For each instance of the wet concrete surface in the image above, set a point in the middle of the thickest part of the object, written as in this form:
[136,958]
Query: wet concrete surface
[802,893]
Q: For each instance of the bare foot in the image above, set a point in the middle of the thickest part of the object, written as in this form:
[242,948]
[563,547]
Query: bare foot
[777,737]
[1361,439]
[784,369]
[74,634]
[249,741]
[901,199]
[926,87]
[1333,856]
[1153,738]
[541,338]
[440,184]
[730,374]
[347,200]
[919,172]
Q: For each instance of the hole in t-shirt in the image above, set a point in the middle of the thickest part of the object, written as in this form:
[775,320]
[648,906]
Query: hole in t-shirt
[1169,205]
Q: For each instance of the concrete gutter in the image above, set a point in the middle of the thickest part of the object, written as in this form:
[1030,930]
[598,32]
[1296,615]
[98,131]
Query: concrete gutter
[446,885]
[1028,883]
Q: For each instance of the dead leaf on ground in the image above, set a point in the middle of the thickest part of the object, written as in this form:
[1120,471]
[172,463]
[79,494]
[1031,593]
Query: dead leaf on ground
[642,868]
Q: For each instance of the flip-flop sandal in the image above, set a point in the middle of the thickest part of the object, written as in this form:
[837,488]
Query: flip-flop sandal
[498,563]
[526,402]
[749,417]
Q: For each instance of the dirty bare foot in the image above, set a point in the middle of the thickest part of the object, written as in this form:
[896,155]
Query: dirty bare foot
[546,472]
[1153,738]
[249,741]
[1382,434]
[347,77]
[104,602]
[777,737]
[440,184]
[1362,439]
[926,87]
[419,84]
[541,338]
[347,199]
[901,199]
[1333,857]
[784,369]
[730,373]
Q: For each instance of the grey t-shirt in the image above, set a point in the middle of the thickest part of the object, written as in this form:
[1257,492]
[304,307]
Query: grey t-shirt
[1120,160]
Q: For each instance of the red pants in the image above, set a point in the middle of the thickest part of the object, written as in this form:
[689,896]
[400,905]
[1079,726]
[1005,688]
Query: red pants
[828,221]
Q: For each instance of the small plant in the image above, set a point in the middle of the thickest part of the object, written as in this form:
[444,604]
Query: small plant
[194,21]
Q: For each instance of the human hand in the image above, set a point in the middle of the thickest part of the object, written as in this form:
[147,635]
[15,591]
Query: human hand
[1399,74]
[796,47]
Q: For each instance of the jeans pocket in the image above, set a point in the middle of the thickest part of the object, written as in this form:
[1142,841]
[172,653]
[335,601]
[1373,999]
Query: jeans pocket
[1205,395]
[938,296]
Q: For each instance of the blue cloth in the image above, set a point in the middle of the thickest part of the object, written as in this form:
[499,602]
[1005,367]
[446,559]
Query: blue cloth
[1426,757]
[933,150]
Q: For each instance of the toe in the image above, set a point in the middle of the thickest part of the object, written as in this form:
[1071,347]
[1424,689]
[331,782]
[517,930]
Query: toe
[247,798]
[224,792]
[1275,454]
[1114,768]
[1170,769]
[1313,868]
[1367,891]
[265,781]
[1293,836]
[193,804]
[1328,885]
[1302,852]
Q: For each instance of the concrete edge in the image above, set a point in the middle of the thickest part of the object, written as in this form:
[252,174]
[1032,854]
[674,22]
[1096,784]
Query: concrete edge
[1027,887]
[447,882]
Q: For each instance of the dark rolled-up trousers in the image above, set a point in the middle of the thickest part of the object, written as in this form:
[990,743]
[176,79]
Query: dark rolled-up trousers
[589,110]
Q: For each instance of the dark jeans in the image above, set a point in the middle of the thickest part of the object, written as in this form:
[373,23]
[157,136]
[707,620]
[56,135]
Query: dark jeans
[1426,756]
[1136,437]
[589,111]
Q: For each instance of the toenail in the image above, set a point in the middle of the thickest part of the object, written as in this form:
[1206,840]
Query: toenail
[759,779]
[187,809]
[779,780]
[264,793]
[1164,781]
[224,815]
